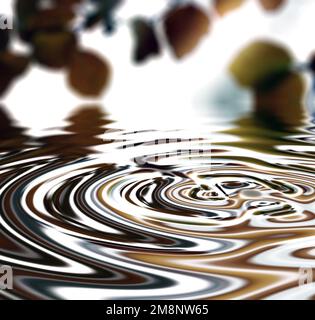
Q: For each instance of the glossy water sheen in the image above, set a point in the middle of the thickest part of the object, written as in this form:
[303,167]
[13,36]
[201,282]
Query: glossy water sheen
[92,213]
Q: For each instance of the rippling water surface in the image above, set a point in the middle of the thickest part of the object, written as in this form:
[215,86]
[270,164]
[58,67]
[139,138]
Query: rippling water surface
[92,212]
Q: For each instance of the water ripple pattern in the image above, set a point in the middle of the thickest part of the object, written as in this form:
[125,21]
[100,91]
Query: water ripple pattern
[127,215]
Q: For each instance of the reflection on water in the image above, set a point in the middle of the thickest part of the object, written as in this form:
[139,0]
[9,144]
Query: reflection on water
[96,213]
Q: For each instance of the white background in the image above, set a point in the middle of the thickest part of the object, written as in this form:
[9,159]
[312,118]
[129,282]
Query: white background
[164,92]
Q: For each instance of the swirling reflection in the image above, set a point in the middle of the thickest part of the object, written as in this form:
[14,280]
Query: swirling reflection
[88,216]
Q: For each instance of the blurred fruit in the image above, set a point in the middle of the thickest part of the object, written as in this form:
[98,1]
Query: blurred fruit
[32,18]
[225,6]
[54,49]
[88,73]
[283,103]
[4,39]
[260,63]
[146,41]
[311,64]
[11,66]
[184,27]
[271,5]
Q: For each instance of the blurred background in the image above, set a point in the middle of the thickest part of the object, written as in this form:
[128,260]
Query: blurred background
[163,91]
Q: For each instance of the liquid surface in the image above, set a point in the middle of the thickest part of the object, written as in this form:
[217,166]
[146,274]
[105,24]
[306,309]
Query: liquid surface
[92,212]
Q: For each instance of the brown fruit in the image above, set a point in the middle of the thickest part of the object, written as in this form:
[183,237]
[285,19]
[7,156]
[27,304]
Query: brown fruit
[54,49]
[146,42]
[88,73]
[271,5]
[4,39]
[184,27]
[11,66]
[260,61]
[283,103]
[225,6]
